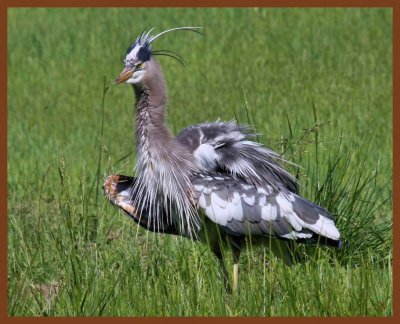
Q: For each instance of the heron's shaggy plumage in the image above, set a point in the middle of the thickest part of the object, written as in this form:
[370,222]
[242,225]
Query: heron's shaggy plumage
[211,176]
[229,148]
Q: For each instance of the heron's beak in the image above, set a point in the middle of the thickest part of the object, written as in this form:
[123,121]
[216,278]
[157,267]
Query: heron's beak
[124,75]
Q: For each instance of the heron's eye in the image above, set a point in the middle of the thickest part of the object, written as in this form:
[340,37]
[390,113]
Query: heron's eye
[139,66]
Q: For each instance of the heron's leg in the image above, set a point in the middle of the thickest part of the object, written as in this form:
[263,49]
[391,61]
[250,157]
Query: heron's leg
[218,253]
[282,250]
[236,256]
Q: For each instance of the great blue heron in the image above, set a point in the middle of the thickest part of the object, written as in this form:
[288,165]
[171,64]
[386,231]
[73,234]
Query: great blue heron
[211,182]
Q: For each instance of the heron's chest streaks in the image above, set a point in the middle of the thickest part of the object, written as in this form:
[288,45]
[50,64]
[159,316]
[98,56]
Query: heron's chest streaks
[153,139]
[163,168]
[145,154]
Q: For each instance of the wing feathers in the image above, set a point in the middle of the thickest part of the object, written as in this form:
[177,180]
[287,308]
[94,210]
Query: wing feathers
[227,147]
[245,210]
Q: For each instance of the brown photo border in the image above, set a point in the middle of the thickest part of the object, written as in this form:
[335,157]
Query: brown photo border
[5,4]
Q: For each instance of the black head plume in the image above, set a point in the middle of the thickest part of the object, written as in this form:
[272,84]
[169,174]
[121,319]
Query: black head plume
[140,50]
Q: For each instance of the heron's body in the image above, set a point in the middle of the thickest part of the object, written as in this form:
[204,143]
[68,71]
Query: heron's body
[211,182]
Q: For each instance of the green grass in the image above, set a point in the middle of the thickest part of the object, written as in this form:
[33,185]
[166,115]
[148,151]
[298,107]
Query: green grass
[316,84]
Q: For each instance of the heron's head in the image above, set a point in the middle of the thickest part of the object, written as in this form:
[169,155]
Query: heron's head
[139,54]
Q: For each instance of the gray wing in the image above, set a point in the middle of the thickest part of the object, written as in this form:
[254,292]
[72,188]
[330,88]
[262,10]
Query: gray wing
[228,148]
[243,209]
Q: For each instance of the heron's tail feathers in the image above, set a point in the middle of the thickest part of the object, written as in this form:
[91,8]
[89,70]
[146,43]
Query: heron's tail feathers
[314,217]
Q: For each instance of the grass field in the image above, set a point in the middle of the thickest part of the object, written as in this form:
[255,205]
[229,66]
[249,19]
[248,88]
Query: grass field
[315,83]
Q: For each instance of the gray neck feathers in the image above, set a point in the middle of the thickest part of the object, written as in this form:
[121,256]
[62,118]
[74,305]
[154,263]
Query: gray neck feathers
[163,165]
[151,128]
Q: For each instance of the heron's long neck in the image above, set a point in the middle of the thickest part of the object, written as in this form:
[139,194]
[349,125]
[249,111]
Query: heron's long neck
[152,134]
[163,166]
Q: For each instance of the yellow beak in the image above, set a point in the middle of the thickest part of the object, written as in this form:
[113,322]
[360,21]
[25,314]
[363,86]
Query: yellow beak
[124,75]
